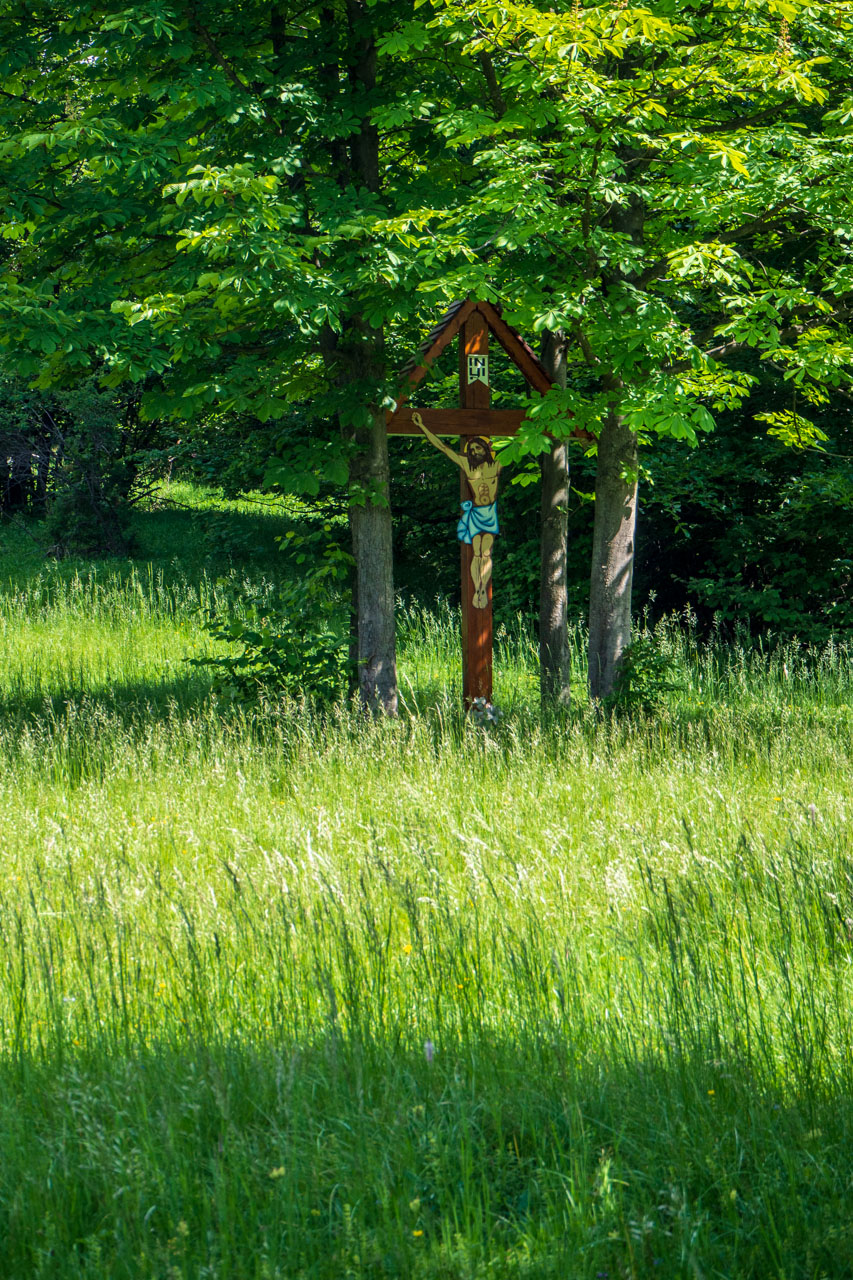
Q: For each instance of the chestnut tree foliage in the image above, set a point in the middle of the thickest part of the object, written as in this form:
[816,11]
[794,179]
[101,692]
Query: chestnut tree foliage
[255,204]
[674,187]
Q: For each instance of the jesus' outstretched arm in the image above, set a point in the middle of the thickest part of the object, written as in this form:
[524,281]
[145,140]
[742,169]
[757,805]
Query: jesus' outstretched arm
[439,444]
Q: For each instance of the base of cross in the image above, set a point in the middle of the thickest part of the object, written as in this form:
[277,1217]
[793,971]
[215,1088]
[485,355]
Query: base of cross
[476,635]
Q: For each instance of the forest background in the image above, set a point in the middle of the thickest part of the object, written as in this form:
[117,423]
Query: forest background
[243,221]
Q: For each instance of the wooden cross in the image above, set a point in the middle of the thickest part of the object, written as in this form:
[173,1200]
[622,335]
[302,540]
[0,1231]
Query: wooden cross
[473,322]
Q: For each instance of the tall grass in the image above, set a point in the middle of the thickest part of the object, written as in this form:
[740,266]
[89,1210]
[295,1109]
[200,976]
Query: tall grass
[292,994]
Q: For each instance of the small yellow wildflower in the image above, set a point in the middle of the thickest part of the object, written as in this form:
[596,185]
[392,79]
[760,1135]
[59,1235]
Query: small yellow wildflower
[711,1093]
[407,949]
[417,1233]
[277,1173]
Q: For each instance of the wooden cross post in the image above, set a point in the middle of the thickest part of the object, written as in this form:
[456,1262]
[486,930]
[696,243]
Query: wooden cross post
[476,623]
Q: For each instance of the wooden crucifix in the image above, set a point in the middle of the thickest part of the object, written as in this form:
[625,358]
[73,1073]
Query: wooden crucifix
[474,423]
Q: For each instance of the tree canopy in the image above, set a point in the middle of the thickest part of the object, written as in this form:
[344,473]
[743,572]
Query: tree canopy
[632,174]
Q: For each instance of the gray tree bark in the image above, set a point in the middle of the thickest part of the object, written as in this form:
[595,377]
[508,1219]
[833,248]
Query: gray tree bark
[359,359]
[554,658]
[616,476]
[370,525]
[612,552]
[355,363]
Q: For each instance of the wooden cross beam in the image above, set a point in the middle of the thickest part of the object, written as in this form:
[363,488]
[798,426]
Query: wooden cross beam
[457,422]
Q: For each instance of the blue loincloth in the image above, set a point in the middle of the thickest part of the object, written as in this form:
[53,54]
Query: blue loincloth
[477,520]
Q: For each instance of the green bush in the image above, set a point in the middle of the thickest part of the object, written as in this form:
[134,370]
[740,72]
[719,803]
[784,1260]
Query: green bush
[647,673]
[88,508]
[284,645]
[81,458]
[294,640]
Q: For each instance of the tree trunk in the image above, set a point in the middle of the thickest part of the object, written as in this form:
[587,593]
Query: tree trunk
[370,524]
[616,475]
[554,660]
[612,552]
[354,362]
[362,348]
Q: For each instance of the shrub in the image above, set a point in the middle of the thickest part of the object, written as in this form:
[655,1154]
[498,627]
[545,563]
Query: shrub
[285,645]
[81,458]
[646,674]
[295,640]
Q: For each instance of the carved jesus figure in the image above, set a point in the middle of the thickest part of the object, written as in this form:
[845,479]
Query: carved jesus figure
[479,522]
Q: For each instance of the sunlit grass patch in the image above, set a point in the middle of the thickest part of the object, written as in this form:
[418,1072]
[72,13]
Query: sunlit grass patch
[289,992]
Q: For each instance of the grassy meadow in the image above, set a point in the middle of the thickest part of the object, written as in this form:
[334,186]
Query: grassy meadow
[289,994]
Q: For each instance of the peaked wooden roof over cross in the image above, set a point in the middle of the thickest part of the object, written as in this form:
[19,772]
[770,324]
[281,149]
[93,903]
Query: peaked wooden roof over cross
[466,421]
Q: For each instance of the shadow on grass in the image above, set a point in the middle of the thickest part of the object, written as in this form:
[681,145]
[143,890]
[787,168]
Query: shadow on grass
[512,1158]
[123,704]
[186,700]
[209,540]
[184,544]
